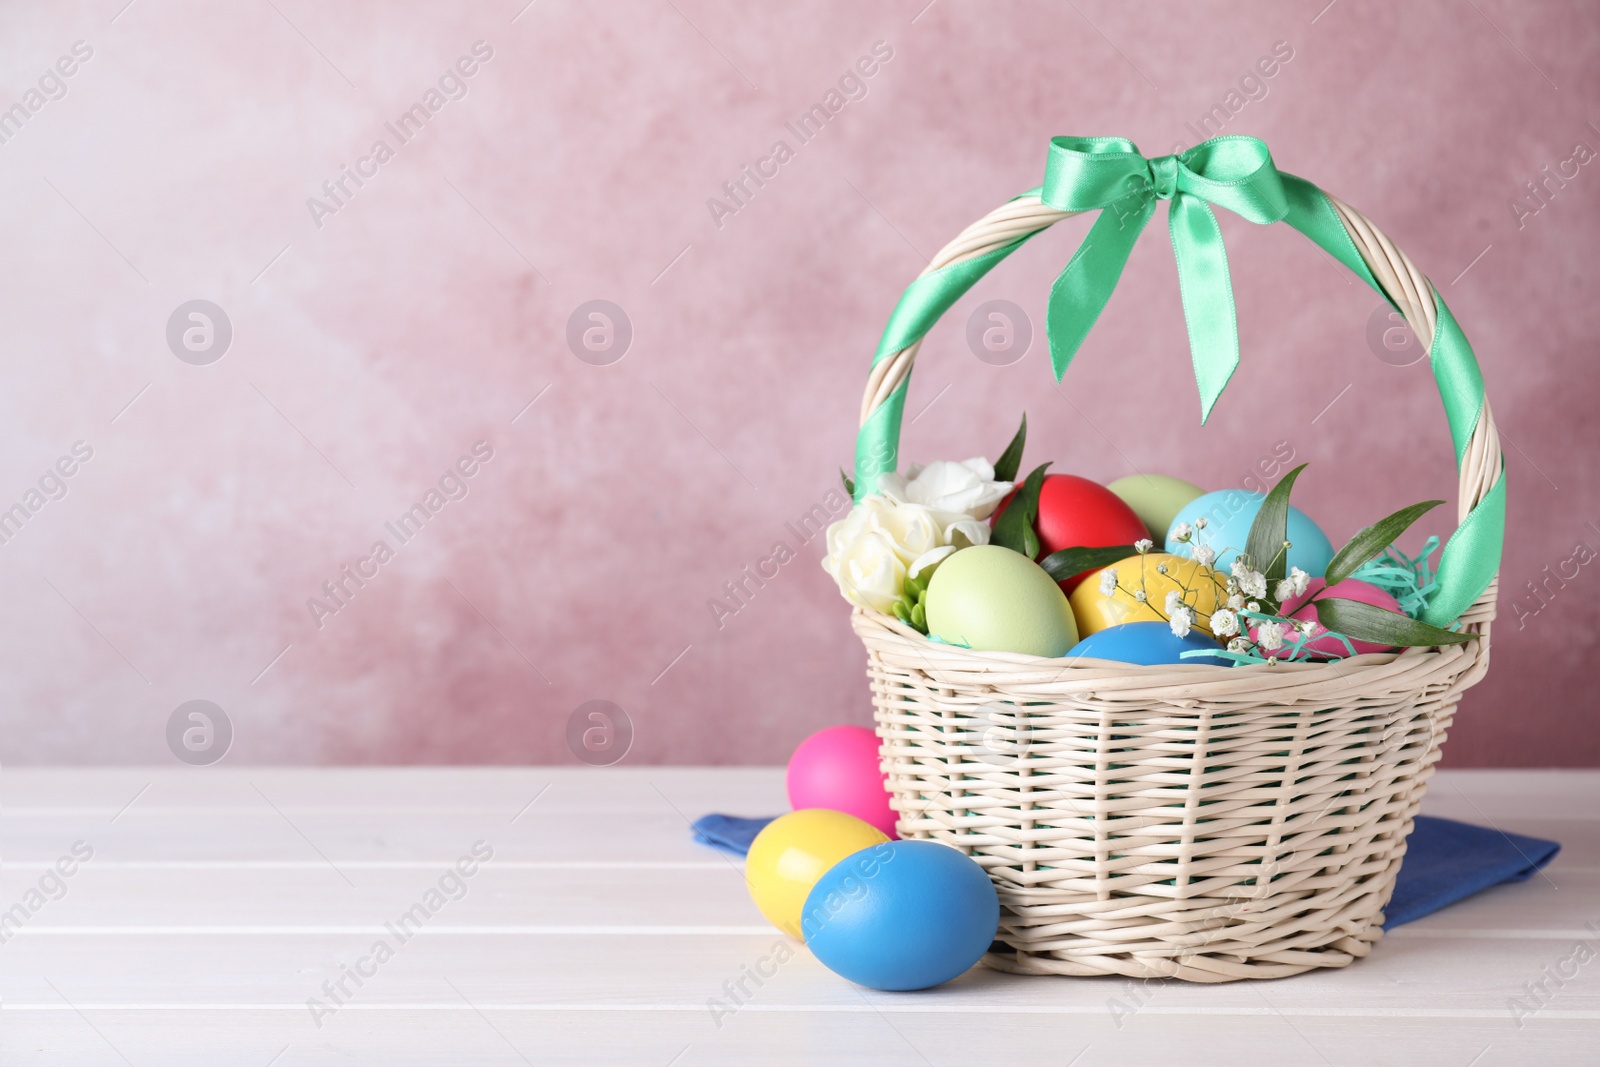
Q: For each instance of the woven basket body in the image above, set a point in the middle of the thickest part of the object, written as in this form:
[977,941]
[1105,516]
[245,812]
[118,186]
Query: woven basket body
[1179,821]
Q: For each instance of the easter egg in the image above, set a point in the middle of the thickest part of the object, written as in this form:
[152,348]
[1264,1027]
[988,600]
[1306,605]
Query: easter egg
[1229,513]
[1077,513]
[838,769]
[1095,611]
[1156,499]
[792,852]
[1317,642]
[991,598]
[1146,643]
[906,915]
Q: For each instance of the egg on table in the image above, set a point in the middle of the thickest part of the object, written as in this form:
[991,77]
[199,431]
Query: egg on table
[839,769]
[792,852]
[904,915]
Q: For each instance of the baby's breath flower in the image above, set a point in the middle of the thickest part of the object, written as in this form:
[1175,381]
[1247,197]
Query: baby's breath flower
[1200,523]
[1305,626]
[1174,602]
[1161,568]
[1143,545]
[1269,635]
[1253,583]
[1108,581]
[1139,595]
[1182,532]
[1299,579]
[1235,602]
[1224,623]
[1292,586]
[1239,644]
[1181,620]
[1205,555]
[1252,606]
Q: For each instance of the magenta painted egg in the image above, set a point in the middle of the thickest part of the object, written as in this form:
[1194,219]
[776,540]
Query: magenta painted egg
[1319,643]
[838,769]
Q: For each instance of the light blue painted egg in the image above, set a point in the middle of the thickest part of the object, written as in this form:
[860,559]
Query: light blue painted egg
[1146,643]
[901,915]
[1229,513]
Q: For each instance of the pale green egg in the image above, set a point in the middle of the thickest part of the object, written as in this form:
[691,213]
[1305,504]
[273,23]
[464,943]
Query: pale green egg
[1156,499]
[996,600]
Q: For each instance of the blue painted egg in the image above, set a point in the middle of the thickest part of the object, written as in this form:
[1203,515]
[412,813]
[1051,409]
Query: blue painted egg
[1229,513]
[1146,643]
[902,915]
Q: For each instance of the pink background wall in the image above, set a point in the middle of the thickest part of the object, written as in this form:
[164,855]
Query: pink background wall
[371,351]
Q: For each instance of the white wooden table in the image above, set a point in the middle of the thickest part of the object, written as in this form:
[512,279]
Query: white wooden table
[217,902]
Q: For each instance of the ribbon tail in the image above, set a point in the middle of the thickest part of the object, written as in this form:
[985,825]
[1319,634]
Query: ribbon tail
[1207,294]
[1082,289]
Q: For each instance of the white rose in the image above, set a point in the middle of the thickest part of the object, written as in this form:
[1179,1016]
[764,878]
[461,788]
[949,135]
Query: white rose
[928,560]
[874,547]
[914,531]
[967,487]
[964,532]
[865,562]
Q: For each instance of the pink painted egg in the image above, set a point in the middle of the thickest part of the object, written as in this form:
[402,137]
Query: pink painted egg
[1319,644]
[838,769]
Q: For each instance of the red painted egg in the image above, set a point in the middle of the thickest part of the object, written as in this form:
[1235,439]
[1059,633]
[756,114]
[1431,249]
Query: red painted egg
[1077,513]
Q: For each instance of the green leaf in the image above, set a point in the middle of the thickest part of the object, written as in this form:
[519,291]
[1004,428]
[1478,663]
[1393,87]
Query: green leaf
[1271,529]
[1010,461]
[1367,622]
[1369,543]
[902,612]
[1071,562]
[849,485]
[919,618]
[1014,528]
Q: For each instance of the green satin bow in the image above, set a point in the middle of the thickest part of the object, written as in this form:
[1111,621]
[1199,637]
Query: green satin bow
[1109,175]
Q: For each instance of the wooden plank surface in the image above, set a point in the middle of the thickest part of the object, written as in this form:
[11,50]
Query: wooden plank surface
[217,903]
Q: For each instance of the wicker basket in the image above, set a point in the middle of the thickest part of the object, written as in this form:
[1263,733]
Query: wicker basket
[1203,823]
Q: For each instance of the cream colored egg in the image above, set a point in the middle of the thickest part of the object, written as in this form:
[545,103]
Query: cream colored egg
[991,598]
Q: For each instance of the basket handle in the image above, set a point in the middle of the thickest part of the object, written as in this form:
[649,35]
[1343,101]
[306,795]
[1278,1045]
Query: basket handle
[1468,566]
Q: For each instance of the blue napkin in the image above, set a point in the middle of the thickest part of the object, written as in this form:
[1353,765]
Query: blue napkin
[728,833]
[1446,861]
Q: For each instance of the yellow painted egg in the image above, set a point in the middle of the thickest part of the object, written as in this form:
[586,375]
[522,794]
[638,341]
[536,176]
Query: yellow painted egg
[1095,611]
[793,852]
[991,598]
[1156,499]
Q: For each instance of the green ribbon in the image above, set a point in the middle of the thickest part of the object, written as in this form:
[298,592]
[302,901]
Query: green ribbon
[1109,175]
